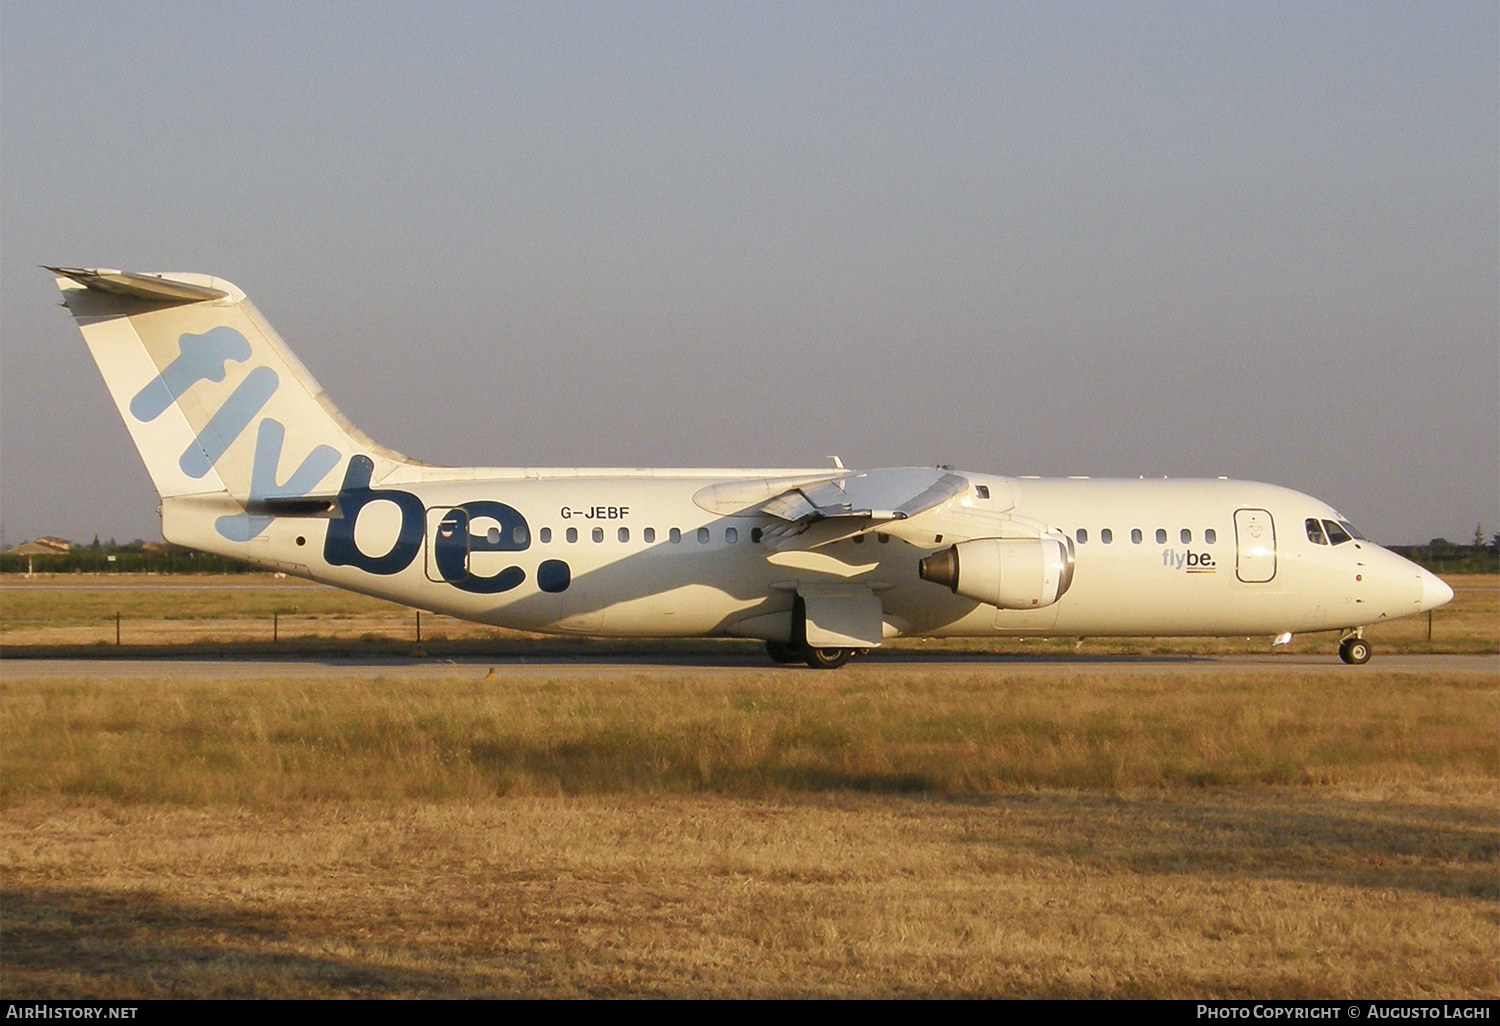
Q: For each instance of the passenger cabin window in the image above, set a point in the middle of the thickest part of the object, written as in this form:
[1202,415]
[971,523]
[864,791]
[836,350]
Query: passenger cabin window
[598,534]
[1106,536]
[1186,536]
[1082,536]
[703,535]
[572,535]
[755,535]
[493,535]
[623,534]
[1135,536]
[983,491]
[674,536]
[1315,532]
[1209,536]
[731,535]
[1161,536]
[649,534]
[519,535]
[546,535]
[1336,534]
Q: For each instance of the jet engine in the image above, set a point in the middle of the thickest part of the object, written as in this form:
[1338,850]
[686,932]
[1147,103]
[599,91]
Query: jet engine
[1011,573]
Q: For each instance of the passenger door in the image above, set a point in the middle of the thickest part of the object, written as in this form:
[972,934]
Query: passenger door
[1254,546]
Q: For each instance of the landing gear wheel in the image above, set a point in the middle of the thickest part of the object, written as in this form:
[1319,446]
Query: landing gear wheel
[781,652]
[828,658]
[1354,651]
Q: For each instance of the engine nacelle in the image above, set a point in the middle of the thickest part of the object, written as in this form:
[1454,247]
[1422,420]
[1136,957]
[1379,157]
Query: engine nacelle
[1012,573]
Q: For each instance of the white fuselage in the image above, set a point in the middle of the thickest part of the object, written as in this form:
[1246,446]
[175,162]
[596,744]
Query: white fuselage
[1153,557]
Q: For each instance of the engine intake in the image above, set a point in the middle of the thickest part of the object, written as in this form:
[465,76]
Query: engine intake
[1011,573]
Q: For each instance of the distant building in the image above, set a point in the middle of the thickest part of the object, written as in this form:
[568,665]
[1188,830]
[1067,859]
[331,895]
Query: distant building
[40,547]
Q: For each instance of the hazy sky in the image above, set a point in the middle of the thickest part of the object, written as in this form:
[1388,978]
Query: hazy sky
[1260,240]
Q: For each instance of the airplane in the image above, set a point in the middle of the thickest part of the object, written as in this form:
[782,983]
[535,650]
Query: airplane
[253,461]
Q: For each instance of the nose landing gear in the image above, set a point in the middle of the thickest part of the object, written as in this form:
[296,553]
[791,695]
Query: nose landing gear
[1354,650]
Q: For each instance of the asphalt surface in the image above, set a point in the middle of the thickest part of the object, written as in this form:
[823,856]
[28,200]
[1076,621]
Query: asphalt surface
[522,668]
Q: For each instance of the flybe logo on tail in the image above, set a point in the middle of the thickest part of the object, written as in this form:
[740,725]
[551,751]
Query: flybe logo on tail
[206,357]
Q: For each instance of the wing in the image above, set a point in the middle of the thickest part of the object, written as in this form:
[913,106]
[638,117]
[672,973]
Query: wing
[858,502]
[916,504]
[893,494]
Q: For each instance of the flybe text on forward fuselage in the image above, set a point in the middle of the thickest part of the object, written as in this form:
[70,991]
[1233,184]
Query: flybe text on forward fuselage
[1192,562]
[253,461]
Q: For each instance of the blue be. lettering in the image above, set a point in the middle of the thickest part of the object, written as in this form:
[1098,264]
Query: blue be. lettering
[453,543]
[355,494]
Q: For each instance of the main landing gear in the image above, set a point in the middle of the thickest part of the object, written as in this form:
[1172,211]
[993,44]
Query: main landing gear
[817,658]
[797,650]
[828,658]
[782,652]
[1354,650]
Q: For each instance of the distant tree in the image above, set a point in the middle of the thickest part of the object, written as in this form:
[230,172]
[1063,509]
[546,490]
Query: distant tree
[96,546]
[1495,543]
[1440,544]
[1478,537]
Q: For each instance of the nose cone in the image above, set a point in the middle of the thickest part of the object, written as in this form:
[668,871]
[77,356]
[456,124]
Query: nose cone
[1434,592]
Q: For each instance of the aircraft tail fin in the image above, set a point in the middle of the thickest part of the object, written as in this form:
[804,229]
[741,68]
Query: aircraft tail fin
[216,403]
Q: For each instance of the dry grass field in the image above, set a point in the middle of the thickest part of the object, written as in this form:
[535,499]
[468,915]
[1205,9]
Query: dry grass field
[882,831]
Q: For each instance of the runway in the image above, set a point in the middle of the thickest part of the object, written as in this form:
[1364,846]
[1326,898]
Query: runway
[524,668]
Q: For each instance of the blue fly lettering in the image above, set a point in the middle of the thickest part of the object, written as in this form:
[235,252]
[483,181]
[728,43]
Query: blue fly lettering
[230,422]
[263,485]
[199,358]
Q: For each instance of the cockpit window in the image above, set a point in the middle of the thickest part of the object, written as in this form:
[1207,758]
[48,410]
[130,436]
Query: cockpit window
[1336,534]
[1352,530]
[1315,532]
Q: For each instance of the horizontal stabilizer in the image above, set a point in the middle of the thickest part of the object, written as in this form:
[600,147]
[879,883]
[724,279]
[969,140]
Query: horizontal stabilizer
[152,288]
[294,506]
